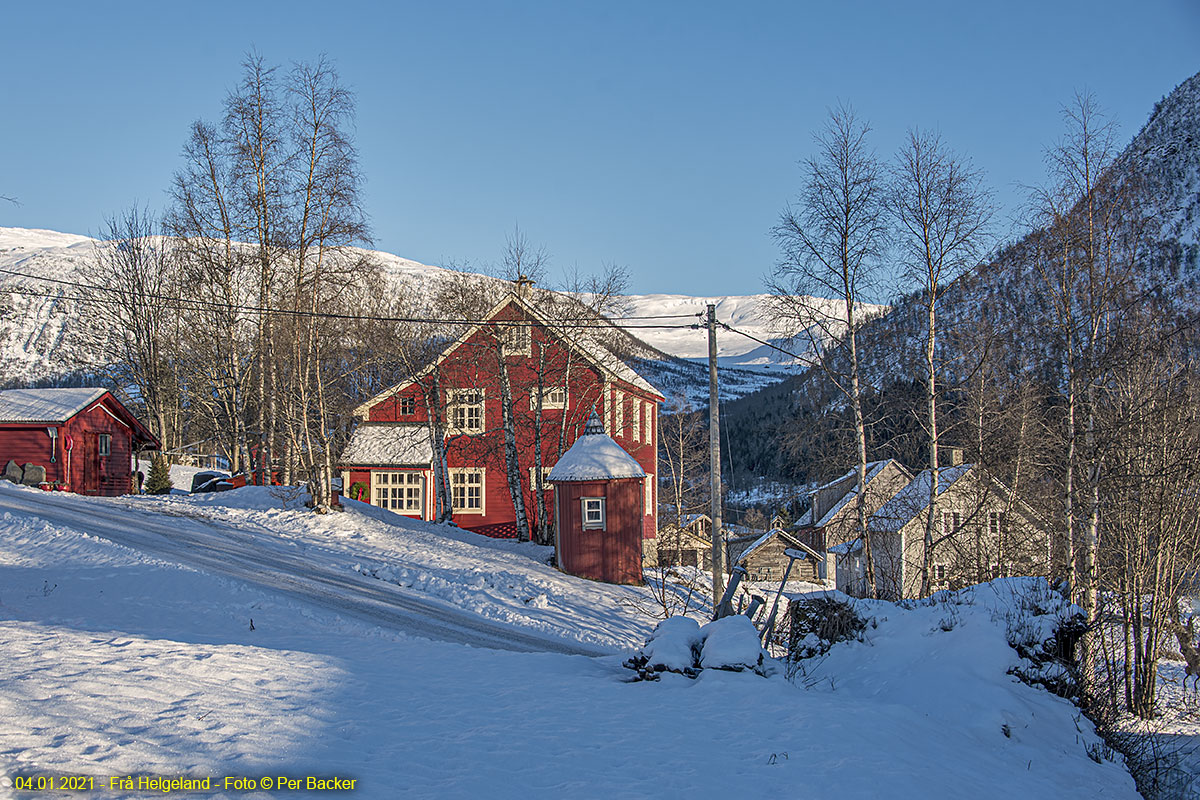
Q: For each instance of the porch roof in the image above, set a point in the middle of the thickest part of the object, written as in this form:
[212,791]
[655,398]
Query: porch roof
[388,446]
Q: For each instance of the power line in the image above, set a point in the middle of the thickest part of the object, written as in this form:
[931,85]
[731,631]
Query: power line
[761,341]
[176,302]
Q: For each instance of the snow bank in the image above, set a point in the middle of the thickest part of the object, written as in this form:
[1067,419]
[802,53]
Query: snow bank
[118,664]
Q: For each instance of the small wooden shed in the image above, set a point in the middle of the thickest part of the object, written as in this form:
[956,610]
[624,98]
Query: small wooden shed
[599,492]
[84,437]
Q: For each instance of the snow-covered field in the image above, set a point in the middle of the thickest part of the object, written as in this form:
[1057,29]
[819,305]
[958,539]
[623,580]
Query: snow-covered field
[119,661]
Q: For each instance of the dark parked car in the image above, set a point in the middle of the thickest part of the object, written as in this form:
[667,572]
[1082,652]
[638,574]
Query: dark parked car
[210,482]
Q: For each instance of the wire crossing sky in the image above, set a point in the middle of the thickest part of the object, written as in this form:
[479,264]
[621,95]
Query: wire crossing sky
[662,137]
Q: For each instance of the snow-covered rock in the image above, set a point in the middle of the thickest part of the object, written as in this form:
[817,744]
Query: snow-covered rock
[674,646]
[731,643]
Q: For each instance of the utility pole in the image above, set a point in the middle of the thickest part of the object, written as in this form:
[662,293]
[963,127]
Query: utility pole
[714,461]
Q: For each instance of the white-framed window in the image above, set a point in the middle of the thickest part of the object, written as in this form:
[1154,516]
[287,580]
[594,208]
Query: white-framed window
[592,513]
[939,575]
[636,422]
[649,493]
[951,522]
[552,398]
[466,490]
[545,475]
[648,422]
[104,445]
[407,406]
[618,413]
[517,339]
[994,570]
[403,492]
[464,409]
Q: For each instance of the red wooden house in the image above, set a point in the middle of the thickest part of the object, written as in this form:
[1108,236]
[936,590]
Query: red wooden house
[83,437]
[553,379]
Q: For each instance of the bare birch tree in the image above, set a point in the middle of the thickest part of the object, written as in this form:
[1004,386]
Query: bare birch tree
[256,135]
[942,213]
[132,278]
[326,219]
[1095,239]
[213,274]
[832,241]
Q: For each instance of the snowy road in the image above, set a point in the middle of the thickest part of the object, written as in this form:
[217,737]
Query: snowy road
[259,559]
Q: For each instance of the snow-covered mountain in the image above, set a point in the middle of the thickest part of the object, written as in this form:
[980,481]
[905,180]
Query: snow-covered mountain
[36,268]
[745,314]
[39,268]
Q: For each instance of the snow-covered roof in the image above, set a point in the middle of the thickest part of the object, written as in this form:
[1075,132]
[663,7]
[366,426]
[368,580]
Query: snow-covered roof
[45,405]
[388,446]
[595,456]
[759,542]
[766,537]
[845,548]
[873,470]
[913,498]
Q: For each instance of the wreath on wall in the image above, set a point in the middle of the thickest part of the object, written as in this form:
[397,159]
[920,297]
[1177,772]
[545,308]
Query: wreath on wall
[358,491]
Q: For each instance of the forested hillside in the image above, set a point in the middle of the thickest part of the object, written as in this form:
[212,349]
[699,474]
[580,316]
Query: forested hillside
[998,321]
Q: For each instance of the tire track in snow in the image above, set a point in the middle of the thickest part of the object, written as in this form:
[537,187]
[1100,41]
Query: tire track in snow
[250,557]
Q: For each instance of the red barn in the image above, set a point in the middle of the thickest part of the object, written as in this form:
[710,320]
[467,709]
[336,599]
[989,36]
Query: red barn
[84,438]
[505,399]
[598,504]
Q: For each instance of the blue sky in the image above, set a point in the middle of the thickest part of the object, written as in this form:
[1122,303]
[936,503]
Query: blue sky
[660,136]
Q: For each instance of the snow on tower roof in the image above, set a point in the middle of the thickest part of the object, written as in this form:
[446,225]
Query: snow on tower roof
[595,456]
[388,446]
[45,405]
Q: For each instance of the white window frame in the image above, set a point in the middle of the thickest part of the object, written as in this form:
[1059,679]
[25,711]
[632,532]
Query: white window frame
[517,339]
[605,406]
[401,402]
[939,574]
[951,523]
[649,493]
[456,483]
[637,420]
[104,444]
[464,400]
[545,475]
[554,397]
[618,413]
[400,491]
[597,522]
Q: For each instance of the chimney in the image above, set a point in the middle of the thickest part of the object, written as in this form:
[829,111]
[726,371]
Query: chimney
[524,283]
[950,456]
